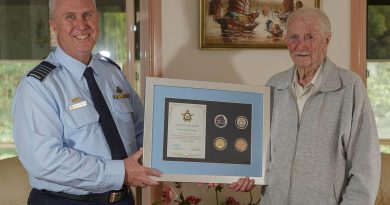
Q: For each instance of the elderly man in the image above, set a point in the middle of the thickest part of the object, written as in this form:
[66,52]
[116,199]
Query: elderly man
[77,119]
[324,143]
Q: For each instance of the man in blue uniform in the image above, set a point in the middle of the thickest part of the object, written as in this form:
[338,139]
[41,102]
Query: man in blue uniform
[77,121]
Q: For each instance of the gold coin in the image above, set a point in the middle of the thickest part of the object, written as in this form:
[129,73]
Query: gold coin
[220,143]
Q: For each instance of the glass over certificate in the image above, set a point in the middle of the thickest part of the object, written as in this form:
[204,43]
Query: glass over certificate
[186,137]
[208,132]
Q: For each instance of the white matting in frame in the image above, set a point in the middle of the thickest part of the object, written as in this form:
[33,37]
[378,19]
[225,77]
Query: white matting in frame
[209,132]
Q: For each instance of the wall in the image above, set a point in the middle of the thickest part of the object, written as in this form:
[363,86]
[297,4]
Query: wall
[183,59]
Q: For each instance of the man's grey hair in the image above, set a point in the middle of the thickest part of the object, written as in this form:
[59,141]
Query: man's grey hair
[324,19]
[53,4]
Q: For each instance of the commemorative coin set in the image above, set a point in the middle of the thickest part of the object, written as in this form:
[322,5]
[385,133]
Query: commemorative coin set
[207,131]
[241,123]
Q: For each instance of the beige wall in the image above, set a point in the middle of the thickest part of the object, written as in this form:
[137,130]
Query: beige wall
[183,59]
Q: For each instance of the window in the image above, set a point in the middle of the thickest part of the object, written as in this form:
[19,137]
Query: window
[378,65]
[25,40]
[10,74]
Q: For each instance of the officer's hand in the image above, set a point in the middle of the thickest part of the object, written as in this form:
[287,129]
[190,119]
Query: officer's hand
[136,174]
[243,184]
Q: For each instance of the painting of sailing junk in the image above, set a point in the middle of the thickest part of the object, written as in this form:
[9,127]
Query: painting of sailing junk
[247,23]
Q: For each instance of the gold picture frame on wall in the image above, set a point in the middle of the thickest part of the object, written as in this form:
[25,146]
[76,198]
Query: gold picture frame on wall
[246,23]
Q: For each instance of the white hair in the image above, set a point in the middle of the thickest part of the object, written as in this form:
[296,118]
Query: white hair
[53,4]
[324,19]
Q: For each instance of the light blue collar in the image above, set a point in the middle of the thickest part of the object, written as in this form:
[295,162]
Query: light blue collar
[75,67]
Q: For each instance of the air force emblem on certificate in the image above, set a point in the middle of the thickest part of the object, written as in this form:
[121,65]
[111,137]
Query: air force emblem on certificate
[187,116]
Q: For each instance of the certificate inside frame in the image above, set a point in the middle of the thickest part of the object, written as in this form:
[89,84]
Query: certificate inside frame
[163,96]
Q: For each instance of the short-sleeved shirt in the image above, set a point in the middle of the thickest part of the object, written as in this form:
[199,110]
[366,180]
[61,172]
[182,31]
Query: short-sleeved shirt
[56,130]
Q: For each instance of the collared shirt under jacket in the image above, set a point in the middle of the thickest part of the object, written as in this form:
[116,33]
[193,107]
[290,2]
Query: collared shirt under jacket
[332,155]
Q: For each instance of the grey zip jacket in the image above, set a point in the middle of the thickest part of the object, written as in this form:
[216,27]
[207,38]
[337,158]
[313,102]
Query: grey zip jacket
[329,156]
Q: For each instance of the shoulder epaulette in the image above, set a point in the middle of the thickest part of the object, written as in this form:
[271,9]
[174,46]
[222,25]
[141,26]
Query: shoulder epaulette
[41,71]
[110,61]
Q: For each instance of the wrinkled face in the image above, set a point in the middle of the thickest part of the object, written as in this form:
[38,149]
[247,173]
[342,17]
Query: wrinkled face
[305,42]
[76,23]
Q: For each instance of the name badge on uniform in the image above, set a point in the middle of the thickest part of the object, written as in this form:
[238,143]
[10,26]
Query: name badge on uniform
[119,94]
[77,103]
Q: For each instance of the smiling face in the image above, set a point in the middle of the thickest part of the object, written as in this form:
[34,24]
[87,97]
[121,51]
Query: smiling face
[306,41]
[76,23]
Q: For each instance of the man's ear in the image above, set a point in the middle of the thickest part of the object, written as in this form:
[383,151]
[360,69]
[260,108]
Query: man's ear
[328,37]
[53,25]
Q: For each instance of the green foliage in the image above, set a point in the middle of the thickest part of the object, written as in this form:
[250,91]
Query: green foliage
[385,149]
[379,93]
[113,34]
[10,75]
[7,152]
[378,32]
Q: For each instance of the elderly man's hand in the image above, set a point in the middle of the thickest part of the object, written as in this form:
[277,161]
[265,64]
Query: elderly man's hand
[136,174]
[243,184]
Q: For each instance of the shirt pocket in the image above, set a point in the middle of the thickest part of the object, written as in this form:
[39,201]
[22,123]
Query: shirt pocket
[123,109]
[81,116]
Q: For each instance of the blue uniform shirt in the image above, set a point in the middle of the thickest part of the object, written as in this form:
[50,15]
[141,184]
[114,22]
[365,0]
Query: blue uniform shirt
[56,129]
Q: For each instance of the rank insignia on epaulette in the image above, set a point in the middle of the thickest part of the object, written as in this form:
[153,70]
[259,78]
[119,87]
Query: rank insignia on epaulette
[110,61]
[42,70]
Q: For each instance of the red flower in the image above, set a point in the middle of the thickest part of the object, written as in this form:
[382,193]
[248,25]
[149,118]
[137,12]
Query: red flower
[192,199]
[168,195]
[232,201]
